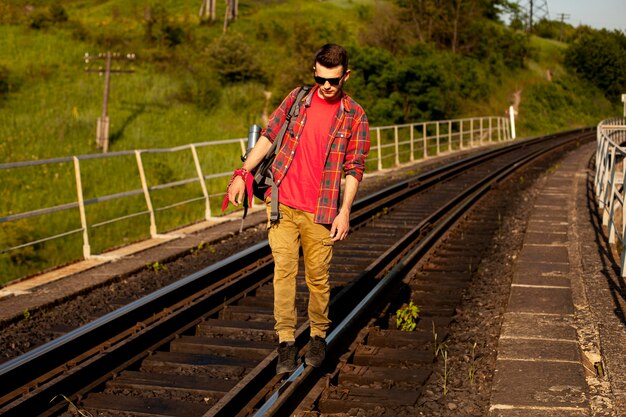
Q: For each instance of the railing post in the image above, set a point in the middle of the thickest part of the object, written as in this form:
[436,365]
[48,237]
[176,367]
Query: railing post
[449,135]
[602,163]
[472,132]
[244,144]
[512,121]
[507,131]
[605,178]
[397,147]
[380,152]
[412,143]
[425,130]
[623,231]
[81,209]
[205,192]
[609,215]
[146,193]
[461,134]
[490,127]
[499,130]
[438,147]
[480,130]
[608,192]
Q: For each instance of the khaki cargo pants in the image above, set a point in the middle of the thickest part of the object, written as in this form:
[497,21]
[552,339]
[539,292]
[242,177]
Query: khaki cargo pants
[294,229]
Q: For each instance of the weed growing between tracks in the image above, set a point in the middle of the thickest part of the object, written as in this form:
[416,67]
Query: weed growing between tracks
[406,317]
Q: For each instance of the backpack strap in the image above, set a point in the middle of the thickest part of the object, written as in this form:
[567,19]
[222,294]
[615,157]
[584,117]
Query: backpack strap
[294,109]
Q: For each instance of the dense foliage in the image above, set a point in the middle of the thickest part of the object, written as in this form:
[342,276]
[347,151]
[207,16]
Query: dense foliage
[193,81]
[600,57]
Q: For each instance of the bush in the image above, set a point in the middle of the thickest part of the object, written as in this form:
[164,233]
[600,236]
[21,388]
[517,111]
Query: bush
[173,35]
[600,57]
[8,83]
[57,13]
[41,19]
[428,85]
[234,59]
[5,84]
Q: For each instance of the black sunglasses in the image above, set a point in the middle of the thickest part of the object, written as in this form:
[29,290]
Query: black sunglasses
[331,81]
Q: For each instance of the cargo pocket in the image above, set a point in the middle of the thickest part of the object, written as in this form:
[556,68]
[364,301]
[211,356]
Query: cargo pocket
[327,242]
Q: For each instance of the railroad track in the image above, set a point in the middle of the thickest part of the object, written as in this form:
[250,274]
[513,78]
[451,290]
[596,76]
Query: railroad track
[205,345]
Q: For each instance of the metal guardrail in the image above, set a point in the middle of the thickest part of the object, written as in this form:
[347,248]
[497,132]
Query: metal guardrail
[609,180]
[391,146]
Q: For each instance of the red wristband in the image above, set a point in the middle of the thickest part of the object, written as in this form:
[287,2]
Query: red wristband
[248,178]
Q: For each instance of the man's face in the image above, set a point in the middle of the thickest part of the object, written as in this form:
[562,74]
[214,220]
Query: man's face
[330,80]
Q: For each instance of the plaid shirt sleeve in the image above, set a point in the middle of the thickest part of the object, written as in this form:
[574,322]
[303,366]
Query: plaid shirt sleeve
[358,147]
[347,150]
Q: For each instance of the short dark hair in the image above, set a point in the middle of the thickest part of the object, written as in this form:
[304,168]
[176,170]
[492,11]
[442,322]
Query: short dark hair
[332,55]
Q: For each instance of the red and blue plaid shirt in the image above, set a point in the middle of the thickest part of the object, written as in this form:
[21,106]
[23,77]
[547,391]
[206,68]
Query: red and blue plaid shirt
[346,150]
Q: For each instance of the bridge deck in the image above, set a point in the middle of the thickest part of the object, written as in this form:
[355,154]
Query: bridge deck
[563,325]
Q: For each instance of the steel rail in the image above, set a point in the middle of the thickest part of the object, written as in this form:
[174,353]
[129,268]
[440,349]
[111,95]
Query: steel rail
[136,318]
[231,404]
[284,400]
[430,229]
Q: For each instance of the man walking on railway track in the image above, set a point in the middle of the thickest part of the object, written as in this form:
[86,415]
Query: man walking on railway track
[327,136]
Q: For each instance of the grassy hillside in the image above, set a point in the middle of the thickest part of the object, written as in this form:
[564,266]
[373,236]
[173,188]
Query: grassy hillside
[549,98]
[55,104]
[193,83]
[177,93]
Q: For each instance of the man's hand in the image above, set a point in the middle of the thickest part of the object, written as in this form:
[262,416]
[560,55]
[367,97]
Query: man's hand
[236,191]
[341,225]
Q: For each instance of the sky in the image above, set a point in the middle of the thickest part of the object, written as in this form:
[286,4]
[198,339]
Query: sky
[607,14]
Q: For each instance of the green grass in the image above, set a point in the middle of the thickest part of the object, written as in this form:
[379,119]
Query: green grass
[546,106]
[53,107]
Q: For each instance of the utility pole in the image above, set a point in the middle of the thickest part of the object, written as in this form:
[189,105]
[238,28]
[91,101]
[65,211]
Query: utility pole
[102,130]
[564,16]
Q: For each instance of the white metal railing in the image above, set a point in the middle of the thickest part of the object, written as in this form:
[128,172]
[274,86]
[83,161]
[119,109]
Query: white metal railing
[390,146]
[609,180]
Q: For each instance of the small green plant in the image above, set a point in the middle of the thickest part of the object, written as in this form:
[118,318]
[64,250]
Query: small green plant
[80,412]
[198,248]
[439,347]
[381,213]
[446,371]
[201,246]
[472,365]
[26,314]
[156,267]
[405,317]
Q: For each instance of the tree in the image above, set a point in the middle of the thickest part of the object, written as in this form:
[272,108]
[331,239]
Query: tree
[450,23]
[600,57]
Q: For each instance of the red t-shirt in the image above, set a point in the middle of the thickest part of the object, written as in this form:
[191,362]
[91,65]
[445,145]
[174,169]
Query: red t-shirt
[300,187]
